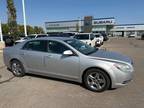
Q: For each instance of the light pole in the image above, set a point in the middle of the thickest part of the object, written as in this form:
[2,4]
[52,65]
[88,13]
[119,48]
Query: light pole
[24,17]
[79,23]
[1,36]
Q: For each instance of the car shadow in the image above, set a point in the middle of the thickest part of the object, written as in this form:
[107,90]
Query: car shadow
[64,81]
[54,79]
[61,80]
[50,78]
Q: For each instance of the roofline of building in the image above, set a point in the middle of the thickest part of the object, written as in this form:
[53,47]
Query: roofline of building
[129,24]
[79,20]
[104,18]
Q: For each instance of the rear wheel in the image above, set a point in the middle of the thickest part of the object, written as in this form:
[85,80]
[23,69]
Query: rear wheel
[17,68]
[96,80]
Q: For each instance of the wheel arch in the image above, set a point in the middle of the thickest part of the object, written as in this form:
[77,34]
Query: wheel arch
[99,69]
[13,60]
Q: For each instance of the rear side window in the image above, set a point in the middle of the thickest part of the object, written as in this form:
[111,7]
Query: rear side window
[82,37]
[36,45]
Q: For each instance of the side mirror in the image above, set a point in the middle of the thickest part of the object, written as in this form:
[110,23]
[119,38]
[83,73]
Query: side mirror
[68,53]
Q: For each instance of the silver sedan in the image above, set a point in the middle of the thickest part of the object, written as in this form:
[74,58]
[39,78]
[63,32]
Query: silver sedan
[69,59]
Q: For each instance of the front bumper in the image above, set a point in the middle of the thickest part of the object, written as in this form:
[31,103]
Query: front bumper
[121,78]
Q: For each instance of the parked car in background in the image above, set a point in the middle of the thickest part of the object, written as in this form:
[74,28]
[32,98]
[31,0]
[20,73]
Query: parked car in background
[105,36]
[100,37]
[70,59]
[9,41]
[132,35]
[71,34]
[61,35]
[30,37]
[88,38]
[142,37]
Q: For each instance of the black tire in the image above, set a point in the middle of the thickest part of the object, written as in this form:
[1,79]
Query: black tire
[20,72]
[99,84]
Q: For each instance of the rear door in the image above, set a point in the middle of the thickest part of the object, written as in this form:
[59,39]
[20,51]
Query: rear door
[33,54]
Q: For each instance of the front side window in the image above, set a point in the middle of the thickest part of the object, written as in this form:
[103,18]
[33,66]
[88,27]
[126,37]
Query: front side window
[56,47]
[36,45]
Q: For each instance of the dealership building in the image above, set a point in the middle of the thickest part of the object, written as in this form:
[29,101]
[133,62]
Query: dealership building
[90,24]
[125,30]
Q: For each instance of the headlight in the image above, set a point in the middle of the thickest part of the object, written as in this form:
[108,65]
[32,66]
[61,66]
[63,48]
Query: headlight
[123,67]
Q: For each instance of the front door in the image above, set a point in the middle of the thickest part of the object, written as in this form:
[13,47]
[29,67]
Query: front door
[59,65]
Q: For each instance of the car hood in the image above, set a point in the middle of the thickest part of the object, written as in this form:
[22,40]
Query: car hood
[111,55]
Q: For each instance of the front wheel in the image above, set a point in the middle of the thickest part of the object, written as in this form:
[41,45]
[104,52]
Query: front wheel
[17,68]
[96,80]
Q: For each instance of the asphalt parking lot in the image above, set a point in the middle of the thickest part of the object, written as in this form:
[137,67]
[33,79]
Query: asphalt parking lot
[39,92]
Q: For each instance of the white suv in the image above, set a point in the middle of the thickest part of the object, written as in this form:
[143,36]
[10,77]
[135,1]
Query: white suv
[100,37]
[88,38]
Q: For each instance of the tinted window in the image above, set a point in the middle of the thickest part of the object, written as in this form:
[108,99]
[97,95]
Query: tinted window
[56,47]
[36,45]
[92,36]
[82,37]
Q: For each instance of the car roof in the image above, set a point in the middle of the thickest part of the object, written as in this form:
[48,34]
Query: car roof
[52,38]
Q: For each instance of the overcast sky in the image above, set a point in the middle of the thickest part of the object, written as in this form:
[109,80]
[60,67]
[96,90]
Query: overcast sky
[40,11]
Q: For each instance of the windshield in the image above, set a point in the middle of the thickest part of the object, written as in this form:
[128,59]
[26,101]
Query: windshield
[81,47]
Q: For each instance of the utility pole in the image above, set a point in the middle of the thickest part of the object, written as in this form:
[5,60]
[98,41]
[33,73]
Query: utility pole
[24,17]
[1,36]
